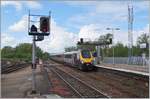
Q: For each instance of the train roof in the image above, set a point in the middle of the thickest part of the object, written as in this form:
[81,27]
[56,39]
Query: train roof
[72,52]
[54,54]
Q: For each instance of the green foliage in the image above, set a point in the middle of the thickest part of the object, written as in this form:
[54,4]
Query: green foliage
[22,52]
[8,52]
[45,56]
[120,50]
[143,39]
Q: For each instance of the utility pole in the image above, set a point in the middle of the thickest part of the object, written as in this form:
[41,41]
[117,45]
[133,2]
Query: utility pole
[130,30]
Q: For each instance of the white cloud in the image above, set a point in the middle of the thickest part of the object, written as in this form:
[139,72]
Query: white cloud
[93,31]
[138,33]
[56,42]
[19,4]
[7,40]
[106,12]
[21,25]
[58,39]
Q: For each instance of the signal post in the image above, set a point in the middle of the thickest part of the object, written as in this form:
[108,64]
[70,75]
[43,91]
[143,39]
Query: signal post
[38,34]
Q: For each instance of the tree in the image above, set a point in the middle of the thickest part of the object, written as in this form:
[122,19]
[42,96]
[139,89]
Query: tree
[7,52]
[39,52]
[144,39]
[45,56]
[120,50]
[22,52]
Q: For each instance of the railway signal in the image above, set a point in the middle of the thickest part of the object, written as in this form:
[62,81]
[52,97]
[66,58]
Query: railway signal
[37,36]
[100,42]
[44,24]
[33,28]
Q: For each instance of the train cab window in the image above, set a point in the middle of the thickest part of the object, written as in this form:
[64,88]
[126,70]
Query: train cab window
[85,54]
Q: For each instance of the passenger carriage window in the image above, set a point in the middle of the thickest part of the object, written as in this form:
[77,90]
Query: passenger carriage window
[67,56]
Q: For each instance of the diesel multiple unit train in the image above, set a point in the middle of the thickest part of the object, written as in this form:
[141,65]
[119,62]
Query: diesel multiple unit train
[82,59]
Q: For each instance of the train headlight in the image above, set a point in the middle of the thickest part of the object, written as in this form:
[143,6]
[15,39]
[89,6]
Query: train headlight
[82,61]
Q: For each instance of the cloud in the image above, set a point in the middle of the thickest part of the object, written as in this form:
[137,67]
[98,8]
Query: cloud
[56,42]
[93,31]
[140,32]
[7,40]
[19,4]
[106,12]
[58,39]
[20,26]
[102,14]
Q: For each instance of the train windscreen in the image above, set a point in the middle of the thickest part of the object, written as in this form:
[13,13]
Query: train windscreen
[86,54]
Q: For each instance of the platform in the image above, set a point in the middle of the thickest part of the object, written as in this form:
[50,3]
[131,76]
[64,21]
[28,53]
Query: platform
[18,83]
[142,70]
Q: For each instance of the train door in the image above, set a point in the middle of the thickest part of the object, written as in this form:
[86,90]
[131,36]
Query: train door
[75,59]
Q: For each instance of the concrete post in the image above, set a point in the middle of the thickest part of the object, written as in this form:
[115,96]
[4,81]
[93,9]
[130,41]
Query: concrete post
[33,66]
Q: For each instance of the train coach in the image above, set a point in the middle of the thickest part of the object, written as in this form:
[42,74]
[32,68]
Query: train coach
[81,59]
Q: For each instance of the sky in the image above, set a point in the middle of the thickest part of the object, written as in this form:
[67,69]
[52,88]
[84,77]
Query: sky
[72,20]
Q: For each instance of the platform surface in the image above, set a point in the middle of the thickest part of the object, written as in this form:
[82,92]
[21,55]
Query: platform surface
[142,70]
[17,84]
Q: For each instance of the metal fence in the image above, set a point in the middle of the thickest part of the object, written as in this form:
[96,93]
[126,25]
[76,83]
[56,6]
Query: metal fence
[125,60]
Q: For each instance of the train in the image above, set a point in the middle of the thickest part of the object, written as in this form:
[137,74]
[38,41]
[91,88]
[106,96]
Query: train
[81,59]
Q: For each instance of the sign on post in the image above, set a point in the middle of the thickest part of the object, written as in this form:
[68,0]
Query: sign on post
[143,45]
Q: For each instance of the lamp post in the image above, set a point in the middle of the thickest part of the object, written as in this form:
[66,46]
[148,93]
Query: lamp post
[112,30]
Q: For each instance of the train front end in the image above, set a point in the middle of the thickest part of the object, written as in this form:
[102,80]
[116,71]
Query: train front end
[86,60]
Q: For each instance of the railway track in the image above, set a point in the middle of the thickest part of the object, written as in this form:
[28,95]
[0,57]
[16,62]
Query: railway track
[12,68]
[83,89]
[114,83]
